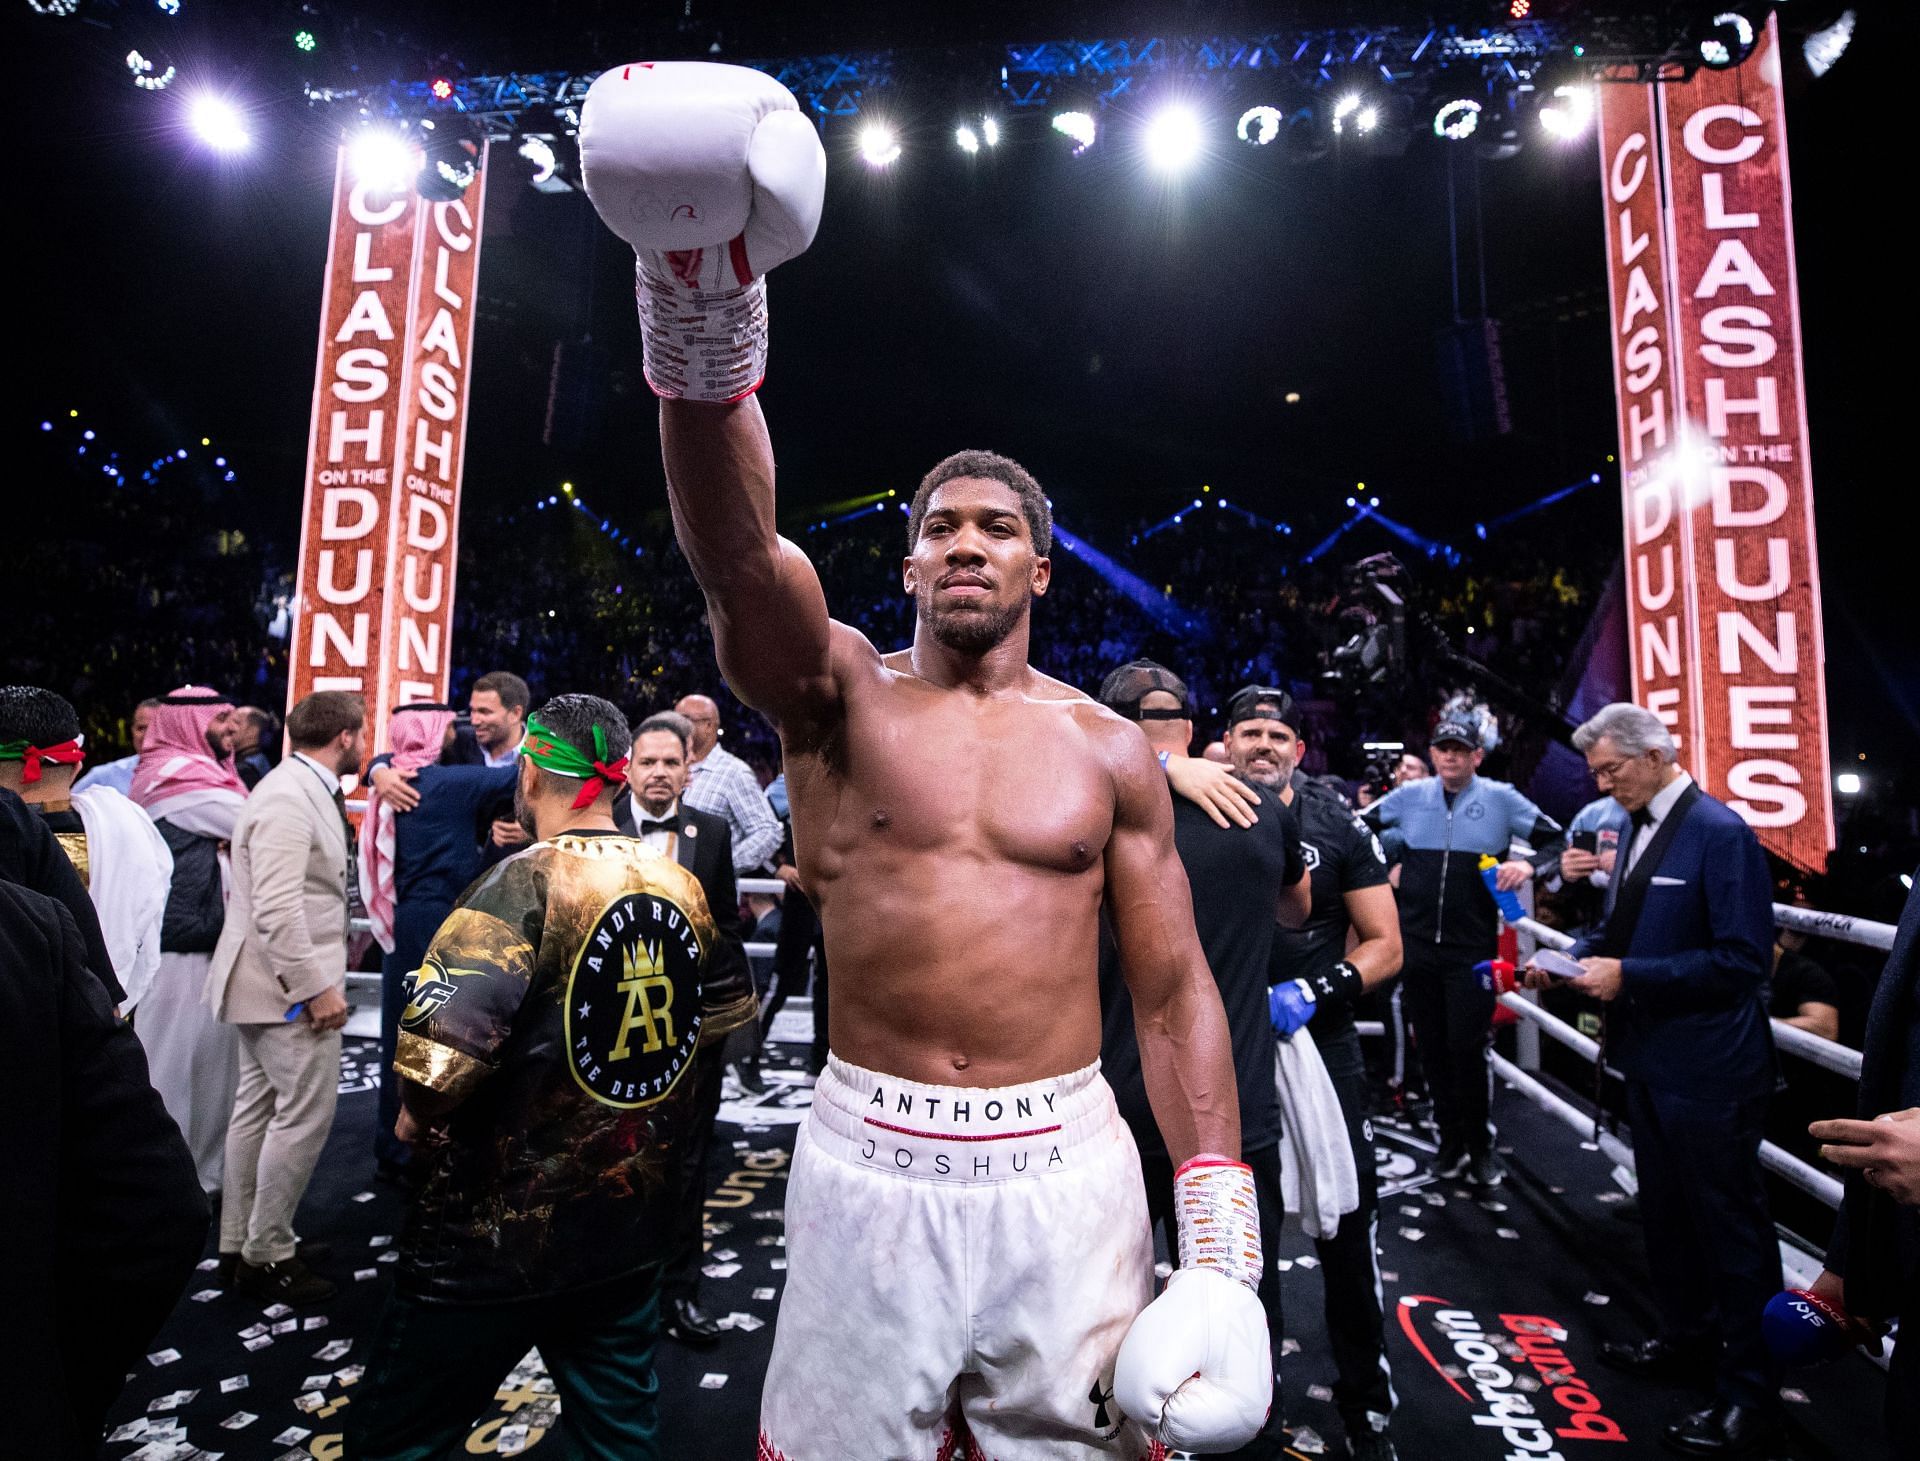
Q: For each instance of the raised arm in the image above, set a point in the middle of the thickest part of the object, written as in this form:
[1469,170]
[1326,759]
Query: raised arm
[1186,1054]
[715,176]
[763,597]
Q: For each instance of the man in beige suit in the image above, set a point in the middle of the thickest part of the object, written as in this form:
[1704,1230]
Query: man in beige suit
[279,975]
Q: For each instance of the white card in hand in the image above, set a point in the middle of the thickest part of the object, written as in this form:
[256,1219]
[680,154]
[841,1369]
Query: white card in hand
[1552,961]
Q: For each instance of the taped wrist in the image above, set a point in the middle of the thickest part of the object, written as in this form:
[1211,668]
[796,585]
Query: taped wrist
[1337,987]
[1218,1217]
[700,343]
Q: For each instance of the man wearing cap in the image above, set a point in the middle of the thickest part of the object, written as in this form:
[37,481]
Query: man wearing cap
[1448,923]
[1316,977]
[1243,880]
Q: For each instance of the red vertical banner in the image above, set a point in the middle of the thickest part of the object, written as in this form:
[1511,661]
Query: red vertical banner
[1762,666]
[1662,624]
[373,598]
[425,503]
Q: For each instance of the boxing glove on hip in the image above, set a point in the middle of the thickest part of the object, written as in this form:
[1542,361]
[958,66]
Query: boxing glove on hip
[714,176]
[1196,1367]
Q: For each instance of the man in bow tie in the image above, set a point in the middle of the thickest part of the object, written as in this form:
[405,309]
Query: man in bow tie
[702,843]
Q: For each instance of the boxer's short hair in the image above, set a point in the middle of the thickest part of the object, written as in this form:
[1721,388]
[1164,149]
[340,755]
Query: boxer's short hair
[37,716]
[995,468]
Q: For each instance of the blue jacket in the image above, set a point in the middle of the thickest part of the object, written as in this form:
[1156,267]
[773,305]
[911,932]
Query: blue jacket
[1443,899]
[1692,1012]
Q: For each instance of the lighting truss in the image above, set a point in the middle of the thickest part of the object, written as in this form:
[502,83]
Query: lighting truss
[842,84]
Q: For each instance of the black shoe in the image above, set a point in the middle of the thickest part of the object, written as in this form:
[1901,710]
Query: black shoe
[1484,1169]
[1660,1359]
[1370,1445]
[1725,1430]
[1452,1161]
[748,1073]
[691,1324]
[305,1251]
[291,1282]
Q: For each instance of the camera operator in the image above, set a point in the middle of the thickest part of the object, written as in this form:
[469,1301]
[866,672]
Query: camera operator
[1315,976]
[1448,923]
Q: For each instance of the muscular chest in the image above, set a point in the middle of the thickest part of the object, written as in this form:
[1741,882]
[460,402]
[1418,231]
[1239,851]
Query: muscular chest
[930,771]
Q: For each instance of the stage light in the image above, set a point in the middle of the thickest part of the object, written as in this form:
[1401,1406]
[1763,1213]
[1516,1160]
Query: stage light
[383,159]
[1825,46]
[1258,125]
[1457,120]
[1353,112]
[305,40]
[1292,398]
[452,160]
[1726,41]
[442,88]
[58,9]
[990,131]
[218,123]
[1567,112]
[1847,783]
[1173,138]
[150,75]
[168,7]
[879,146]
[539,154]
[966,139]
[1078,126]
[1519,9]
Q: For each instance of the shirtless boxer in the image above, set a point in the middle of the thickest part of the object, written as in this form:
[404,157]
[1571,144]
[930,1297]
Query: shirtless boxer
[969,1266]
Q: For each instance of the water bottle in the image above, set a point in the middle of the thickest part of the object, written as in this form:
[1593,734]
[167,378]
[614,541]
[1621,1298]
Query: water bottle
[1508,903]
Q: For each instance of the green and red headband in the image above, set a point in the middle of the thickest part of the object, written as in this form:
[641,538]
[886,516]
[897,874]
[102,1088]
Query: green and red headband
[550,753]
[65,753]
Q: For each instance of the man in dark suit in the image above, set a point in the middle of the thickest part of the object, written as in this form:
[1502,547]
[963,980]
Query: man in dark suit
[702,843]
[105,1218]
[1873,1263]
[1681,959]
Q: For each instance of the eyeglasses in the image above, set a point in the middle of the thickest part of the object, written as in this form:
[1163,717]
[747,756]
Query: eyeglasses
[1607,770]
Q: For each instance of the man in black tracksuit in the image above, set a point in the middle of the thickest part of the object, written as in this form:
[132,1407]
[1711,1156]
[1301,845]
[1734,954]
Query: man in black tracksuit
[1448,923]
[1315,976]
[1243,880]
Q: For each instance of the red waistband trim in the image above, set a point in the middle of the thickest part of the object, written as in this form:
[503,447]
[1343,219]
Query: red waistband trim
[955,1136]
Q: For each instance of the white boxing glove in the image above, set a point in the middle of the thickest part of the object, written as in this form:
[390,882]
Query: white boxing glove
[1196,1367]
[714,176]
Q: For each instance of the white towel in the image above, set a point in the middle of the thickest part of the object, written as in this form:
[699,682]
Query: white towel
[1317,1177]
[129,870]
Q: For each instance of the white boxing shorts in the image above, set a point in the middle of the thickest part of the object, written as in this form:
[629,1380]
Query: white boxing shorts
[962,1265]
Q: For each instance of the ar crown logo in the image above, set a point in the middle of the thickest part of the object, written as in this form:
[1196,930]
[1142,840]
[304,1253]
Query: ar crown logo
[633,1002]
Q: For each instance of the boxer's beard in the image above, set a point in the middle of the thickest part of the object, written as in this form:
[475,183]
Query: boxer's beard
[522,813]
[971,631]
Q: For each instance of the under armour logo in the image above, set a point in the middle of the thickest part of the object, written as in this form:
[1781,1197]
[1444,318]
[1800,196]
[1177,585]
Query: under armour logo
[1100,1399]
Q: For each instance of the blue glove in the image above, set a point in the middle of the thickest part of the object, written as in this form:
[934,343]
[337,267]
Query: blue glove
[1290,1006]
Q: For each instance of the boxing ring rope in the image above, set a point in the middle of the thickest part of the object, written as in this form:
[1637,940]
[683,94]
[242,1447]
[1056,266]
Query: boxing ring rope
[1781,1163]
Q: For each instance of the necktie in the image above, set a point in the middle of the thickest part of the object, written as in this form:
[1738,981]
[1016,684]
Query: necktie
[355,908]
[1643,818]
[655,824]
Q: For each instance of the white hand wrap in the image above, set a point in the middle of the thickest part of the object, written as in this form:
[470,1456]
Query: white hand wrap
[1219,1218]
[1196,1368]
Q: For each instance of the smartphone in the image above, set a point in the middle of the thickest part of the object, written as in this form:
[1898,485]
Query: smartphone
[1586,841]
